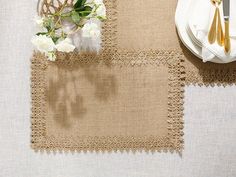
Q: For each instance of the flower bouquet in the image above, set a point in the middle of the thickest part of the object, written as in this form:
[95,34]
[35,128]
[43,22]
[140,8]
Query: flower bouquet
[69,27]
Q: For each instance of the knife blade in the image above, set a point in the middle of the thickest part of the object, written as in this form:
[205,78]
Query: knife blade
[226,9]
[226,12]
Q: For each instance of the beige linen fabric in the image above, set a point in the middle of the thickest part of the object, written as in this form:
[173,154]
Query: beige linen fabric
[145,25]
[126,98]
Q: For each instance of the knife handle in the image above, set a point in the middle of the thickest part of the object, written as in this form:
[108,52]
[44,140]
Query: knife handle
[220,34]
[227,38]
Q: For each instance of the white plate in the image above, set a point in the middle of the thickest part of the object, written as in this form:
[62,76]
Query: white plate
[183,8]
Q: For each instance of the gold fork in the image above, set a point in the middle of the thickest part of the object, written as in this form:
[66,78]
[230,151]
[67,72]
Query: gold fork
[216,31]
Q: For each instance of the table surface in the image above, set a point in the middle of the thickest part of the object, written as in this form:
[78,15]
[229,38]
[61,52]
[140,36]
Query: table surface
[210,122]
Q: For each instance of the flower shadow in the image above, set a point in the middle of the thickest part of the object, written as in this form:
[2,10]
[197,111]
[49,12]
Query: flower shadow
[65,95]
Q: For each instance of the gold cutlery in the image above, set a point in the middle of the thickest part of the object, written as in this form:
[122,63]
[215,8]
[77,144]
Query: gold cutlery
[226,11]
[220,33]
[212,32]
[216,31]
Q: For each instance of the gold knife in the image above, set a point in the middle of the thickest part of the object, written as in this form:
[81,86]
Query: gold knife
[226,10]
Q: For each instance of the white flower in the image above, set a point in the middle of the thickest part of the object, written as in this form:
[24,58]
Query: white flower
[39,21]
[98,2]
[65,46]
[101,11]
[91,30]
[43,43]
[51,56]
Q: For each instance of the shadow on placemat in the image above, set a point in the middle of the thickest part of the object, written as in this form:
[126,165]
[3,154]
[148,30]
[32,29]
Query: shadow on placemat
[64,93]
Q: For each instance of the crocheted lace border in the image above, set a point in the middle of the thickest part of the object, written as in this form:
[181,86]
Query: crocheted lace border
[172,142]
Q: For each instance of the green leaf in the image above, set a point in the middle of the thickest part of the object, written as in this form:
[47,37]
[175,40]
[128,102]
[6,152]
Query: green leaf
[75,17]
[79,9]
[79,3]
[86,11]
[88,8]
[83,2]
[41,33]
[48,24]
[101,18]
[48,28]
[66,14]
[55,39]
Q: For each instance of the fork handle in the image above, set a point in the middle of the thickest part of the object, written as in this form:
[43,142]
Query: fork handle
[227,38]
[212,32]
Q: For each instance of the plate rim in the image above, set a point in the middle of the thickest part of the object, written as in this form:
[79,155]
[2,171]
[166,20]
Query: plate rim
[180,13]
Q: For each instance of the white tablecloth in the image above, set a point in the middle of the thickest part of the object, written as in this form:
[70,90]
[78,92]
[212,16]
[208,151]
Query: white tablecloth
[210,122]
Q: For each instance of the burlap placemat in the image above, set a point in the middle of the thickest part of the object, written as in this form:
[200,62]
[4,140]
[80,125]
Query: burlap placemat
[208,74]
[127,98]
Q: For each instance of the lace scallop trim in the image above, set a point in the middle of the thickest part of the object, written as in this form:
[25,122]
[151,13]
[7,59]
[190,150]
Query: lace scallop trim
[38,84]
[211,77]
[208,74]
[173,142]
